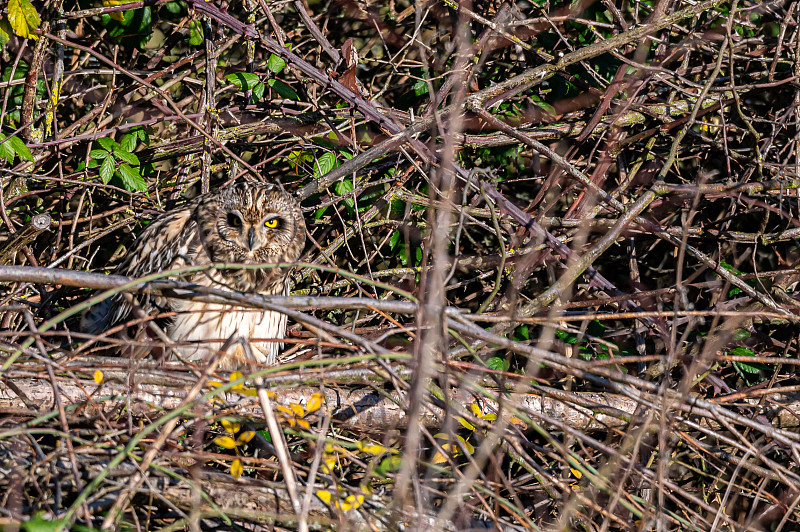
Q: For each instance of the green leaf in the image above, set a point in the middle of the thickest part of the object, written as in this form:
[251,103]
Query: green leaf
[20,148]
[741,352]
[343,188]
[275,63]
[547,107]
[390,464]
[131,179]
[140,133]
[394,239]
[5,32]
[740,334]
[325,164]
[421,87]
[496,364]
[40,523]
[244,80]
[128,142]
[319,213]
[749,368]
[127,156]
[23,18]
[258,91]
[283,89]
[195,33]
[108,143]
[6,151]
[99,154]
[107,170]
[175,8]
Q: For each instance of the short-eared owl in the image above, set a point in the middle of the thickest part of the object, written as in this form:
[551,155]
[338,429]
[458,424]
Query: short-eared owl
[246,223]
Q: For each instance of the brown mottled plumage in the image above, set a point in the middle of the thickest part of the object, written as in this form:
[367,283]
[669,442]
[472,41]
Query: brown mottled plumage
[248,223]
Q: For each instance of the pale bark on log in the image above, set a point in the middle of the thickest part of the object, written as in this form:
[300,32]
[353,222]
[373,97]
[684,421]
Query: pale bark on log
[365,409]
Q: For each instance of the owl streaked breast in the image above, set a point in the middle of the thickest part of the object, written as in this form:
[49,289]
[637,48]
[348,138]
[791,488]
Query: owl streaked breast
[247,223]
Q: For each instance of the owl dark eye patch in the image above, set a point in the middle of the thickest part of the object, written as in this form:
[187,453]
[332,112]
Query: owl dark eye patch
[234,220]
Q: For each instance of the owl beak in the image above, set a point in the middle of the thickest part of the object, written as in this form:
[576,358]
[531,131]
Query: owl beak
[251,236]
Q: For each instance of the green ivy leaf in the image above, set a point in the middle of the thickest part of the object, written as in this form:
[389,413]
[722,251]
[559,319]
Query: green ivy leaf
[107,170]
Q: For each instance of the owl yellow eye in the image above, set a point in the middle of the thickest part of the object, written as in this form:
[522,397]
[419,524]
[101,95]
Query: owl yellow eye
[272,224]
[234,221]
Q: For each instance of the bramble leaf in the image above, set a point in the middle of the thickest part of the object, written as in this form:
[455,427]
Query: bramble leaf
[23,18]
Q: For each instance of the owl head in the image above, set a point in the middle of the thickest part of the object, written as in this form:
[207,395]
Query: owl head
[252,223]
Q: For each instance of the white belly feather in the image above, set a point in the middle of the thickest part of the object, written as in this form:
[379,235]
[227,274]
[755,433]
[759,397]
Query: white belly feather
[201,331]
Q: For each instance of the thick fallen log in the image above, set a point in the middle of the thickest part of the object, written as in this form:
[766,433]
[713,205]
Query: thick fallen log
[360,408]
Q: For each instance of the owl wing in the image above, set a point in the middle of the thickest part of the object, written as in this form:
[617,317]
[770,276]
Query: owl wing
[169,242]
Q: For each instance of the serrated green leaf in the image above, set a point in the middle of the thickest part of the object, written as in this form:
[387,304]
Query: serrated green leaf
[748,368]
[244,80]
[6,151]
[324,164]
[128,142]
[127,156]
[275,63]
[20,148]
[131,179]
[23,18]
[108,143]
[283,89]
[99,154]
[107,170]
